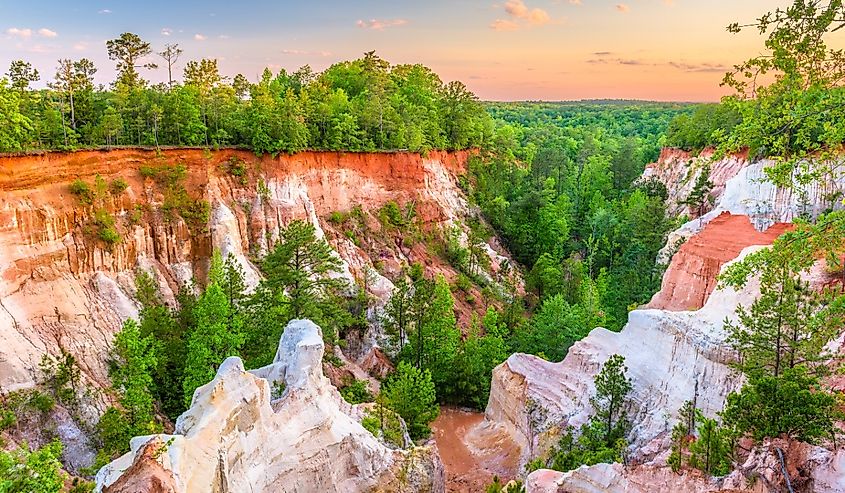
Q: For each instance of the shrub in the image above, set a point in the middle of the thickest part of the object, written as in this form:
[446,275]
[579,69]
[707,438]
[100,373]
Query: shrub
[384,423]
[356,392]
[82,191]
[118,186]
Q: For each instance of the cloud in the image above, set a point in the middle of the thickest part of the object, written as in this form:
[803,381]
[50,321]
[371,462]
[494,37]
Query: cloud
[504,25]
[224,36]
[80,46]
[47,33]
[698,67]
[684,66]
[200,37]
[602,53]
[575,2]
[306,53]
[380,24]
[518,10]
[166,31]
[104,11]
[624,8]
[16,32]
[521,15]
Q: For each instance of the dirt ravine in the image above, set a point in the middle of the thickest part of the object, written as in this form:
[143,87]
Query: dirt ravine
[469,469]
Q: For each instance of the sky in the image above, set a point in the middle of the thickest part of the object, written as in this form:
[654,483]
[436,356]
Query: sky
[666,50]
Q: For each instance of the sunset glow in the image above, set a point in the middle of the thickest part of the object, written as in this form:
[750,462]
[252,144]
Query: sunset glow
[503,50]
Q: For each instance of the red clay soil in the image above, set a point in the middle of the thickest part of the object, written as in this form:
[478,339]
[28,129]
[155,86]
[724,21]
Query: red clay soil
[692,273]
[397,169]
[464,471]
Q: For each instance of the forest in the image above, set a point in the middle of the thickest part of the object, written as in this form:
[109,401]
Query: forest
[359,105]
[557,183]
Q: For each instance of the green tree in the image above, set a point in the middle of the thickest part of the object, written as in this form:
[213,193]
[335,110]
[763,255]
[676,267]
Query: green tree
[170,55]
[787,326]
[22,75]
[131,373]
[792,404]
[553,329]
[434,338]
[711,451]
[127,51]
[411,394]
[38,471]
[396,318]
[305,269]
[218,335]
[15,131]
[612,387]
[602,439]
[699,197]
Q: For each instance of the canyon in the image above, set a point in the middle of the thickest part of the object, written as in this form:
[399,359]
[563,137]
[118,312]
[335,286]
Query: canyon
[675,346]
[64,290]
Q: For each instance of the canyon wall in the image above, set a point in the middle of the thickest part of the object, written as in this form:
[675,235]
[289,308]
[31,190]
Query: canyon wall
[63,288]
[238,435]
[674,347]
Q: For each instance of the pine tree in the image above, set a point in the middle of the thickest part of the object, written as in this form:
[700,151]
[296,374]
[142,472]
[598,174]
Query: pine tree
[699,197]
[411,394]
[218,335]
[302,266]
[711,451]
[612,387]
[397,313]
[788,325]
[434,338]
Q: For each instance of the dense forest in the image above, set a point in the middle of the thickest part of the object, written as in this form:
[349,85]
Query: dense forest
[360,105]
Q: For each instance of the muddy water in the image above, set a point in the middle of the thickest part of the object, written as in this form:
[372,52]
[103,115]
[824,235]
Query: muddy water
[469,468]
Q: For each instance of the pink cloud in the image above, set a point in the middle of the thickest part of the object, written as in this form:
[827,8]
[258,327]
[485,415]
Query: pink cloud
[504,25]
[520,15]
[621,7]
[380,24]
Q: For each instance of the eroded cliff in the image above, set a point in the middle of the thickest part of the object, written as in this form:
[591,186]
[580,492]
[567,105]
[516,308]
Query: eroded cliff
[239,436]
[63,287]
[675,347]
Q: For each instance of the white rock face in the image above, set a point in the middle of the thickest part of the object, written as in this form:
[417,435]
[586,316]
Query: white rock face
[666,354]
[742,188]
[235,437]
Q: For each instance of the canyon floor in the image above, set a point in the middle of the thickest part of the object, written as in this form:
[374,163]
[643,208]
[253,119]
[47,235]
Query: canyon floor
[469,467]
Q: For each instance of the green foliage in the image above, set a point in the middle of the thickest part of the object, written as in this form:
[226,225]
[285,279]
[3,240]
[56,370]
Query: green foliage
[177,201]
[385,424]
[791,404]
[299,281]
[358,105]
[356,392]
[602,439]
[513,486]
[218,334]
[699,197]
[711,452]
[700,442]
[82,191]
[707,126]
[134,360]
[118,186]
[32,471]
[62,379]
[553,329]
[433,337]
[411,394]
